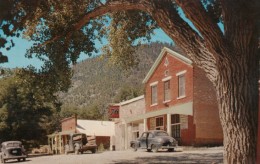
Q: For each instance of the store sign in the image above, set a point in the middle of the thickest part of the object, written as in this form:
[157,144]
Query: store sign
[113,112]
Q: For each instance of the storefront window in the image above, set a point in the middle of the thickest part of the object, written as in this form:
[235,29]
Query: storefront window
[159,123]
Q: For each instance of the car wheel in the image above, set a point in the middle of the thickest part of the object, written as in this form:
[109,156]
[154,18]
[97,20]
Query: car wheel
[170,150]
[18,159]
[24,159]
[154,148]
[2,160]
[134,146]
[149,150]
[93,151]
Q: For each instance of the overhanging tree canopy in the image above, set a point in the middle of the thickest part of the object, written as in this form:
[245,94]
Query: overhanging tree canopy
[64,28]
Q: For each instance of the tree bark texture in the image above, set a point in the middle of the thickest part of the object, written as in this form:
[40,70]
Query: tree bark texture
[229,59]
[238,111]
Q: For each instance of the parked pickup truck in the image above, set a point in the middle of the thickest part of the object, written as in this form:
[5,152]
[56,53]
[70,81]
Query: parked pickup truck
[79,143]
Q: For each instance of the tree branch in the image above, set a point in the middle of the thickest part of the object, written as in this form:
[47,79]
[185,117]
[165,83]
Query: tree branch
[209,30]
[167,17]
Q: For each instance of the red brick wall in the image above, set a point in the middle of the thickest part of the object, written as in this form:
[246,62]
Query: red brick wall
[69,123]
[205,111]
[175,66]
[188,135]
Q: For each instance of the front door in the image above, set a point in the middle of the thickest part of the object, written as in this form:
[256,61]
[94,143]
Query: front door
[176,126]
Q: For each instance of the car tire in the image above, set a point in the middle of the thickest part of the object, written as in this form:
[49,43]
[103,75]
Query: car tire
[149,150]
[93,151]
[2,160]
[19,160]
[154,148]
[171,150]
[24,159]
[134,146]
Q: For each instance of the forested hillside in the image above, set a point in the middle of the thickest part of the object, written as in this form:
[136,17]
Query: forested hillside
[96,83]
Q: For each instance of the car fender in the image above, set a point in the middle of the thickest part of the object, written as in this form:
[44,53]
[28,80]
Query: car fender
[137,143]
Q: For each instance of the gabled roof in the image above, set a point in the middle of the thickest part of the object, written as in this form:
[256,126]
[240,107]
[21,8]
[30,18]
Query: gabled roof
[159,59]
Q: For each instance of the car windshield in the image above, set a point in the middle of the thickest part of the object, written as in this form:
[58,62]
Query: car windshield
[161,134]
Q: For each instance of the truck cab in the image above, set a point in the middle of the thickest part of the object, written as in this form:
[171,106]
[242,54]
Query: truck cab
[79,143]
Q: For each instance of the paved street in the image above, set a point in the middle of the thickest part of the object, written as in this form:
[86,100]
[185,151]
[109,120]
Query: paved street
[188,156]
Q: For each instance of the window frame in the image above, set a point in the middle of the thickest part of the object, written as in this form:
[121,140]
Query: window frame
[161,127]
[154,93]
[181,84]
[175,126]
[167,91]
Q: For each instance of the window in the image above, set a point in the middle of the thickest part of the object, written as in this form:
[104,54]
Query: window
[181,85]
[159,123]
[176,126]
[154,94]
[167,95]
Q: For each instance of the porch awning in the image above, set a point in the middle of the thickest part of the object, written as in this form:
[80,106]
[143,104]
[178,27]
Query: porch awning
[185,109]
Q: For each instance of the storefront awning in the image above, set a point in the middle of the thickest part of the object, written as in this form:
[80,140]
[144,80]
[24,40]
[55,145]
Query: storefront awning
[185,109]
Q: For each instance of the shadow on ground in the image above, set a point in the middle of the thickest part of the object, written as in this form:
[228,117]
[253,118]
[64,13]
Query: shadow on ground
[188,158]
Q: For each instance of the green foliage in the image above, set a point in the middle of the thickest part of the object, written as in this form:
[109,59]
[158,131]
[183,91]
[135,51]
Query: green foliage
[27,105]
[127,30]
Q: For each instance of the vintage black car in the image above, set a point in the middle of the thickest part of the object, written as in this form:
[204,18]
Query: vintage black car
[154,140]
[12,150]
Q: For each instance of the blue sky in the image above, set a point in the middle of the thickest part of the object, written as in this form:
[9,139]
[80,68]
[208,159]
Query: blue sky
[16,56]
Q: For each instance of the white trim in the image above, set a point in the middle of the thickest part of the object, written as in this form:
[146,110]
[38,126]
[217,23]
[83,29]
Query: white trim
[181,97]
[166,101]
[185,109]
[181,73]
[167,78]
[131,100]
[154,83]
[154,104]
[159,59]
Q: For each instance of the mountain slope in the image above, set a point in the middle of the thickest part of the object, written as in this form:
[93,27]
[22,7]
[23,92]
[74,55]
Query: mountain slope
[95,82]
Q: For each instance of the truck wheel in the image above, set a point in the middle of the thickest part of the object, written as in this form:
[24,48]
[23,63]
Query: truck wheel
[93,151]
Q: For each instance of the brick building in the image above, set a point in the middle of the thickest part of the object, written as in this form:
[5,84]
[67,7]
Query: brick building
[181,100]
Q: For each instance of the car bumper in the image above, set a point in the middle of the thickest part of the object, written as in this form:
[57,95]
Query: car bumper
[14,157]
[168,147]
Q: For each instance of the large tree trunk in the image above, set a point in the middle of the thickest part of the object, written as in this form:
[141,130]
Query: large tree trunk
[237,93]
